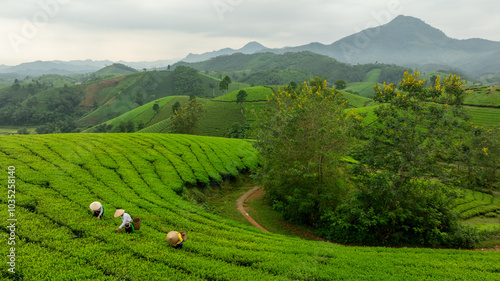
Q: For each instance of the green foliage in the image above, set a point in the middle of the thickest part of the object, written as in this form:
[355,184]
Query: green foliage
[176,106]
[413,137]
[302,136]
[258,93]
[274,69]
[340,84]
[187,81]
[241,97]
[478,160]
[484,96]
[184,120]
[23,131]
[156,107]
[224,83]
[414,213]
[238,131]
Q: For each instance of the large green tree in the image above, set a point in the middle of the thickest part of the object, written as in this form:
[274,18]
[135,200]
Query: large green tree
[302,137]
[400,196]
[187,81]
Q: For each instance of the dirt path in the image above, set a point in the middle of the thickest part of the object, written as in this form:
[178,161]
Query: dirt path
[256,192]
[242,210]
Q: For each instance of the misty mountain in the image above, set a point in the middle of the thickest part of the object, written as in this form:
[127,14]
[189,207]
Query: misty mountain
[56,67]
[37,68]
[250,48]
[405,41]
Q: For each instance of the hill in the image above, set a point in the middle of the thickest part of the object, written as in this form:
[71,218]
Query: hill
[88,104]
[221,112]
[37,68]
[57,177]
[249,48]
[280,69]
[409,42]
[116,69]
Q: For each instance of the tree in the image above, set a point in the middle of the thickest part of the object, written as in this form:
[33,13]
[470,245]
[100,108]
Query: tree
[176,106]
[301,137]
[156,107]
[16,86]
[241,97]
[130,126]
[187,81]
[340,84]
[139,98]
[224,83]
[185,119]
[23,131]
[238,131]
[412,141]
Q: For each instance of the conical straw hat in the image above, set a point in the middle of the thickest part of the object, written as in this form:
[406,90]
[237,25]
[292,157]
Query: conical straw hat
[94,206]
[172,237]
[119,212]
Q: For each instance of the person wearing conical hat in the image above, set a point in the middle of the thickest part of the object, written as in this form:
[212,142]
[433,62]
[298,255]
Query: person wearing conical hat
[176,239]
[97,208]
[126,219]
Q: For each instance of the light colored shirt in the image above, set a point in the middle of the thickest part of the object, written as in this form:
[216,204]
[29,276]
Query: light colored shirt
[100,210]
[125,219]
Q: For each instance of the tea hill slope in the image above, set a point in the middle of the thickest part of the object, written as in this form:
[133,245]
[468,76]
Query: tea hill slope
[57,176]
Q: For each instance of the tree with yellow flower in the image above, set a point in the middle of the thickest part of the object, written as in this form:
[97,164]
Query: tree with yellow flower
[411,142]
[185,118]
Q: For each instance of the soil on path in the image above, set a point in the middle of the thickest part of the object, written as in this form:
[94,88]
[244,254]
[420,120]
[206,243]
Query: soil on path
[243,211]
[257,192]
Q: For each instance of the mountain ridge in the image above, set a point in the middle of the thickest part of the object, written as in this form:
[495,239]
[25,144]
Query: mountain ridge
[406,41]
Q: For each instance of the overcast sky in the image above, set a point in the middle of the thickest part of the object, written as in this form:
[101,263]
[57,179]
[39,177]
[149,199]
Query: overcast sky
[147,30]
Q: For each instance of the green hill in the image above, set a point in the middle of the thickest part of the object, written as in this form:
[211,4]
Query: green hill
[88,104]
[488,96]
[220,114]
[54,80]
[56,237]
[116,69]
[281,69]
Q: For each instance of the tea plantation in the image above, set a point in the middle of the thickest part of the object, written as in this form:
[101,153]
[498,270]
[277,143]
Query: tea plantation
[54,178]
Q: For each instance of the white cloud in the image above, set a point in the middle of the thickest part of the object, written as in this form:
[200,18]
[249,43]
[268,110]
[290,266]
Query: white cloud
[149,29]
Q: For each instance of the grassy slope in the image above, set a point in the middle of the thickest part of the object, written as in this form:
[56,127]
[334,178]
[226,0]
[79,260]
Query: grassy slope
[365,88]
[257,93]
[484,96]
[57,176]
[154,85]
[54,79]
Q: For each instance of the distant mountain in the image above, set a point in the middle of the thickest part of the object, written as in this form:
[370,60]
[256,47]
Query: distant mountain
[115,69]
[56,67]
[37,68]
[250,48]
[405,41]
[266,68]
[411,42]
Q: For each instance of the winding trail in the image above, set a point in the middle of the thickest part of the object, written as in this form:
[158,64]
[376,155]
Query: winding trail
[242,210]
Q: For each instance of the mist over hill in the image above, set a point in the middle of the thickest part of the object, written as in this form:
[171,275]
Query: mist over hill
[405,41]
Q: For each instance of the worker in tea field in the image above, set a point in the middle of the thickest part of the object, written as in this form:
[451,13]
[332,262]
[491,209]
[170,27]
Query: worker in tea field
[176,239]
[97,208]
[126,221]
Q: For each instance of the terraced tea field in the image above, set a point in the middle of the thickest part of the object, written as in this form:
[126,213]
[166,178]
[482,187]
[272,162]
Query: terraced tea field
[56,177]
